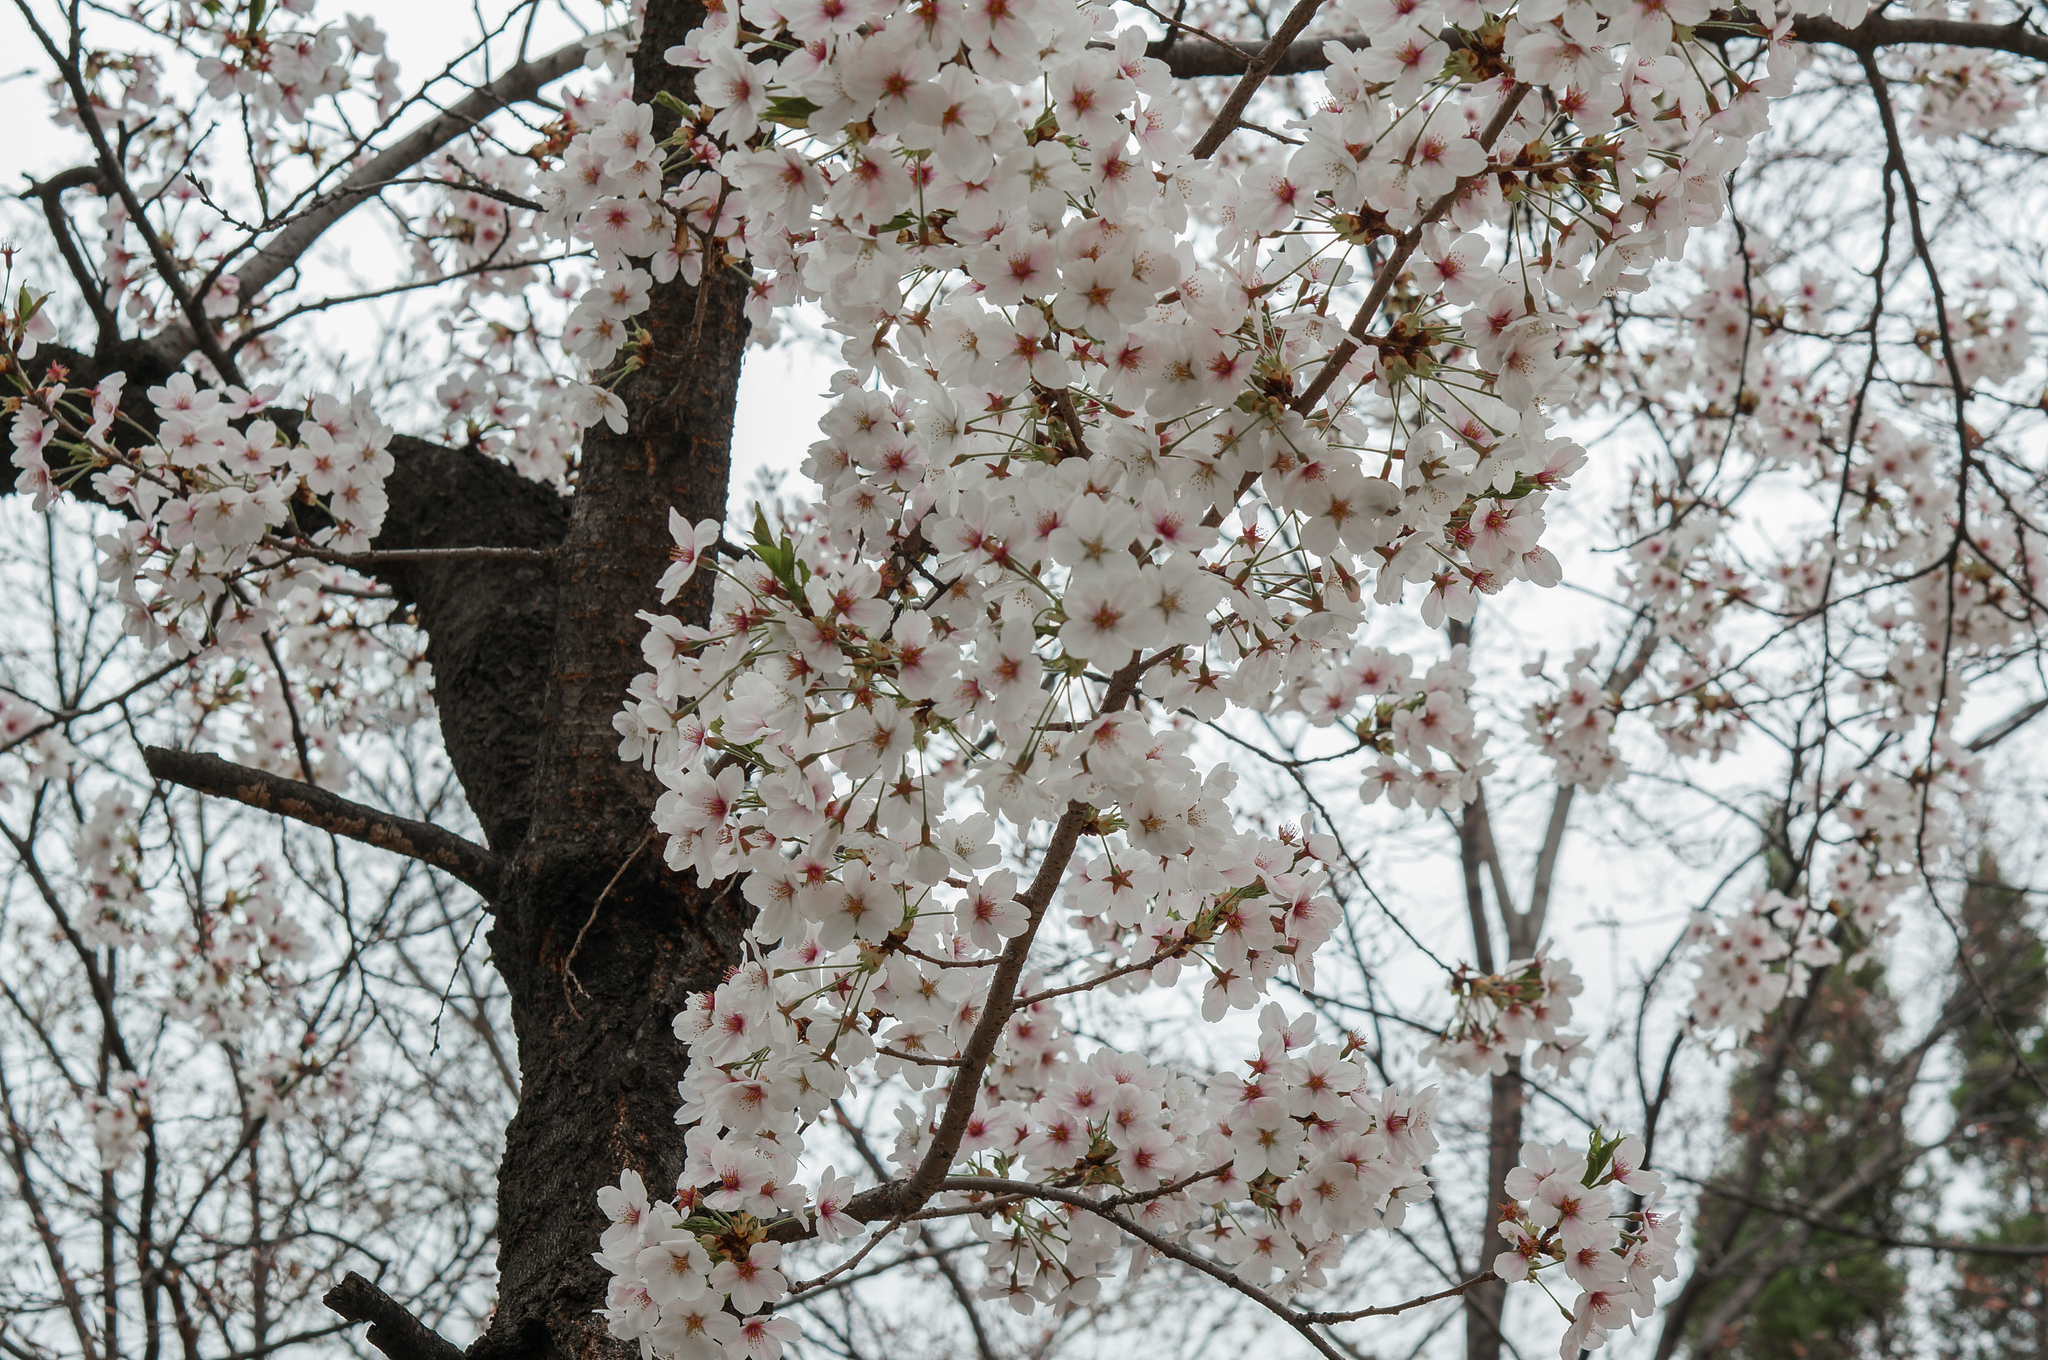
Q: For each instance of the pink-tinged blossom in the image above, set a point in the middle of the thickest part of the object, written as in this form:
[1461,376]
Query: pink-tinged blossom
[752,1281]
[675,1270]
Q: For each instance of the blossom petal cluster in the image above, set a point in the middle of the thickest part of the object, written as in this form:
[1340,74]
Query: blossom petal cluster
[1568,1212]
[1105,463]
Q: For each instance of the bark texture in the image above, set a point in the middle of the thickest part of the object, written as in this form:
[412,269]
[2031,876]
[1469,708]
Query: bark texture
[1483,1303]
[598,1057]
[489,625]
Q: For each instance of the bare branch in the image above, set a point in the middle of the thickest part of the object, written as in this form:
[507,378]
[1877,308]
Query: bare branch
[1217,57]
[284,250]
[302,802]
[1840,1229]
[379,557]
[90,286]
[2006,726]
[1878,31]
[53,1246]
[1233,107]
[393,1330]
[1461,1287]
[1214,58]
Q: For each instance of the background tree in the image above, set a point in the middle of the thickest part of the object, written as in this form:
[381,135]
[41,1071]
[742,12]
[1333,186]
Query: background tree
[1843,1296]
[1995,1306]
[239,1059]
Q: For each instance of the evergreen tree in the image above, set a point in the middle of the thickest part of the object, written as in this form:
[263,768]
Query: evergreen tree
[1808,1079]
[1997,1308]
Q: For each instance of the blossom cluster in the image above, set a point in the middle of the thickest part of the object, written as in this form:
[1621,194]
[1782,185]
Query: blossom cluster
[37,744]
[1880,574]
[1502,1016]
[1564,1213]
[1964,93]
[1574,727]
[1267,1171]
[1751,963]
[226,971]
[219,494]
[277,72]
[1104,465]
[120,1117]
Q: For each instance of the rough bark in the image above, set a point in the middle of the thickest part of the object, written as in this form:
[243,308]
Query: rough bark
[490,625]
[598,1058]
[1483,1303]
[394,1331]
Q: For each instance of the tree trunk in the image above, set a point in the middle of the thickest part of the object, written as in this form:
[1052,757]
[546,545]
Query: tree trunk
[598,1058]
[1483,1303]
[600,944]
[1503,1149]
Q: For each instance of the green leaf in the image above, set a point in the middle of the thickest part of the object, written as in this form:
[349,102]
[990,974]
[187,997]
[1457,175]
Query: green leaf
[790,111]
[1599,1152]
[778,555]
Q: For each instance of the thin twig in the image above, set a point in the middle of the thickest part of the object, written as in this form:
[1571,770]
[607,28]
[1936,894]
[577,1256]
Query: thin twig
[569,963]
[387,556]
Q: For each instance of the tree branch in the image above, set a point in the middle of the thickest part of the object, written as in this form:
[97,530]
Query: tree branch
[393,1330]
[469,542]
[302,802]
[283,250]
[1835,1227]
[1216,58]
[2006,726]
[378,557]
[982,1344]
[1269,57]
[1878,31]
[90,287]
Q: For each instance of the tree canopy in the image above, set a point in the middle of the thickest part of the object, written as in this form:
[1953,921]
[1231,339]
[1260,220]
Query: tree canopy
[976,843]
